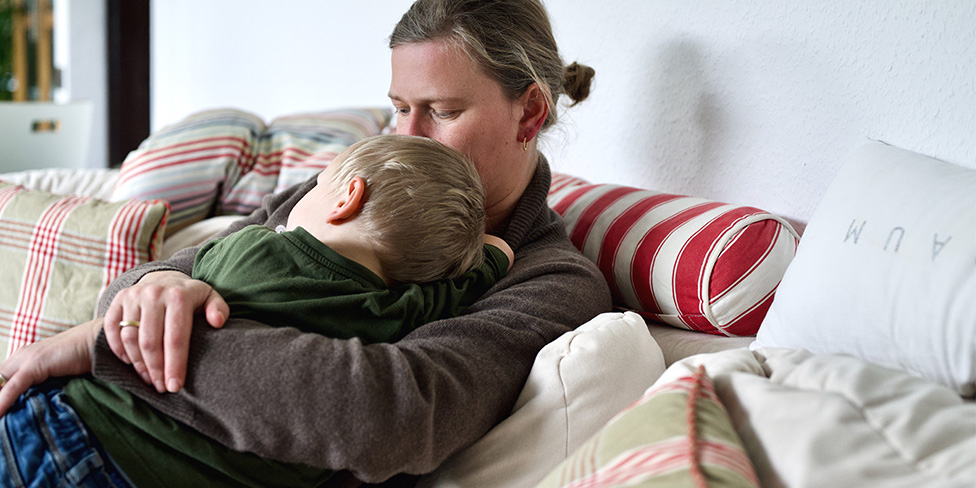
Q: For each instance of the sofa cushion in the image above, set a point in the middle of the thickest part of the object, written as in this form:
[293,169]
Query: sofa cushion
[225,161]
[59,252]
[577,383]
[684,261]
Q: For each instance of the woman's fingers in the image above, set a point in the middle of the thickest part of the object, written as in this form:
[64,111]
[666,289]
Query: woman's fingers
[126,317]
[65,354]
[112,332]
[13,384]
[163,303]
[150,345]
[129,337]
[176,340]
[133,319]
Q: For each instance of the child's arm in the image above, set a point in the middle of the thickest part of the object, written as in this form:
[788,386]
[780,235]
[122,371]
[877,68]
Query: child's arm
[501,244]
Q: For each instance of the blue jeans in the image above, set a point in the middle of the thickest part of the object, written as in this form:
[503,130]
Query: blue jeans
[45,444]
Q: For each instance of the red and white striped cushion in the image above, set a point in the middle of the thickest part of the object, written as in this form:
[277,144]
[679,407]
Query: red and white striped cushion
[688,262]
[59,252]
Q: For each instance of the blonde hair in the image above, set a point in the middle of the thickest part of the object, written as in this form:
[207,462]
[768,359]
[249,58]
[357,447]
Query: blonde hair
[423,209]
[511,40]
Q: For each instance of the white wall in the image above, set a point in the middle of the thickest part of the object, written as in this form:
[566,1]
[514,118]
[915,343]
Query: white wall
[747,102]
[270,58]
[81,51]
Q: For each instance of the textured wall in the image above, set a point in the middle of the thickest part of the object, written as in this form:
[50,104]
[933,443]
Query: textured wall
[758,102]
[752,102]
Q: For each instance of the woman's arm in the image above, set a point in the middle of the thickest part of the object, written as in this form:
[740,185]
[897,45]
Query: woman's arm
[68,353]
[382,409]
[164,299]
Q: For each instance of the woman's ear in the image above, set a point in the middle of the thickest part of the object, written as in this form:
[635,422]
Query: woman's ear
[348,202]
[535,110]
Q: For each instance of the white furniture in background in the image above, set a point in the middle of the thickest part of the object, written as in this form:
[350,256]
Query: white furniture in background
[42,135]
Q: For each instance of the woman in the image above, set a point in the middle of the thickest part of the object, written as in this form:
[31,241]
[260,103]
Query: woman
[480,76]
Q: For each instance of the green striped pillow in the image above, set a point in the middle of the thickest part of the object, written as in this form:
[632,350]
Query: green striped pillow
[59,252]
[677,434]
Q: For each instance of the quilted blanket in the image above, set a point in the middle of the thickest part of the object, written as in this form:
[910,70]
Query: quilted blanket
[834,420]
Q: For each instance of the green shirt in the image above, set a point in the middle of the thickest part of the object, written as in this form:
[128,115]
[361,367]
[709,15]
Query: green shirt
[280,279]
[292,279]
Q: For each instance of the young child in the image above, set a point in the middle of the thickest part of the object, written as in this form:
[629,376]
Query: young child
[391,237]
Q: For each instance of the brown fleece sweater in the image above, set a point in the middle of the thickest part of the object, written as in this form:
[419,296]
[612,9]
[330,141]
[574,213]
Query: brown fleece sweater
[381,409]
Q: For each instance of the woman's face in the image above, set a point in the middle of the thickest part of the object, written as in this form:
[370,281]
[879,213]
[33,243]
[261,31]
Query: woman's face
[440,93]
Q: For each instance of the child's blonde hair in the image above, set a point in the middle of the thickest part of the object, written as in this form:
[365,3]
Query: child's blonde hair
[424,206]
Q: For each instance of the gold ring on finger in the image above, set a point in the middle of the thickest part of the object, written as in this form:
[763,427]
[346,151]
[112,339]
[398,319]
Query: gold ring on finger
[129,323]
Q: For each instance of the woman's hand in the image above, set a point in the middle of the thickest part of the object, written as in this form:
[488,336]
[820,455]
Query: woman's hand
[65,354]
[163,304]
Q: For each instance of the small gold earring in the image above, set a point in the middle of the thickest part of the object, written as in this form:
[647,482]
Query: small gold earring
[525,143]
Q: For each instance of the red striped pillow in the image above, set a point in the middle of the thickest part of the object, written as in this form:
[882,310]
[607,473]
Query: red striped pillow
[685,261]
[225,161]
[59,252]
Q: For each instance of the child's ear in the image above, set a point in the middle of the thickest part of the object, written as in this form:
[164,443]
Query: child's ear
[349,202]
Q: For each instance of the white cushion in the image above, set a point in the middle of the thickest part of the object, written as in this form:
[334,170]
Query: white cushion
[96,183]
[578,383]
[196,234]
[677,344]
[885,270]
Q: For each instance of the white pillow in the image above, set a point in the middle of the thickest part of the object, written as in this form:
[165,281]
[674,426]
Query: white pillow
[578,382]
[886,269]
[196,234]
[93,182]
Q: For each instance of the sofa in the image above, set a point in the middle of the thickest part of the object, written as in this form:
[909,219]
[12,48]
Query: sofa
[740,353]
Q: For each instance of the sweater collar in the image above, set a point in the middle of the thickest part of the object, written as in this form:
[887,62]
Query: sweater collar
[532,209]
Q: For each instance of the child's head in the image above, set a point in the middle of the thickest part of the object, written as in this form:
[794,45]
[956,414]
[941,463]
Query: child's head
[424,205]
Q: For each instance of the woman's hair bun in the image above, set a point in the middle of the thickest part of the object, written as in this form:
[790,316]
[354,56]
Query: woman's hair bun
[578,78]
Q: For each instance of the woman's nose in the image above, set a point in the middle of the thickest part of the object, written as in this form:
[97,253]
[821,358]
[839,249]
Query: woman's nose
[410,126]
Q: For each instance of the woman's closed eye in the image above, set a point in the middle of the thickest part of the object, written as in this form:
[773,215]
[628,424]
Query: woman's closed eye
[444,114]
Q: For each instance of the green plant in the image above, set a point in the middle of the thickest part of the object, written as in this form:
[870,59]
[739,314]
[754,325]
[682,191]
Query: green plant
[6,48]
